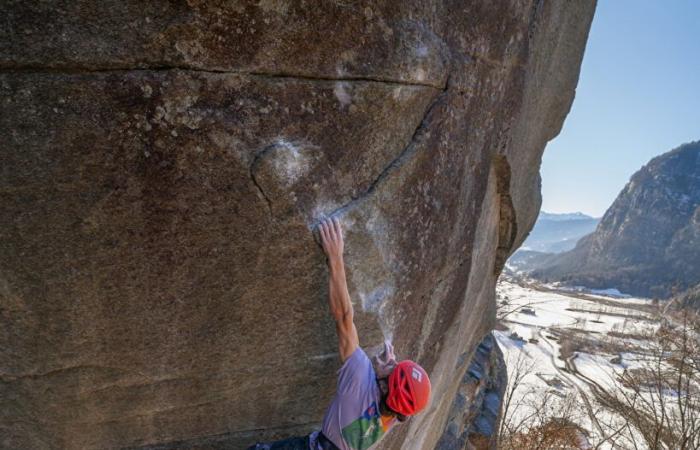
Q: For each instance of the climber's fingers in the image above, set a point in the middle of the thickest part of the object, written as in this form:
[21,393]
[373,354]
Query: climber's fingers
[337,229]
[331,233]
[323,230]
[333,229]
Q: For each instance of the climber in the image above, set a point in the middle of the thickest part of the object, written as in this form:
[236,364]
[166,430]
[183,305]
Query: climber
[370,398]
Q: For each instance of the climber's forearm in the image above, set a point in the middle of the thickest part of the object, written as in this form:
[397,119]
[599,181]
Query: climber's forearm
[339,297]
[341,308]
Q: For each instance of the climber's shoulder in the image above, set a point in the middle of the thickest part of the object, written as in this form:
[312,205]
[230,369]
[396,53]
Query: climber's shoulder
[348,341]
[356,371]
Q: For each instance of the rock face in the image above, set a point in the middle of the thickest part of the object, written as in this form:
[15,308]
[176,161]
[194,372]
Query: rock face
[476,410]
[164,163]
[648,241]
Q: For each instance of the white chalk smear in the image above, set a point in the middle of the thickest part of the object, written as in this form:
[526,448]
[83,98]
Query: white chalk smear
[341,93]
[291,160]
[324,356]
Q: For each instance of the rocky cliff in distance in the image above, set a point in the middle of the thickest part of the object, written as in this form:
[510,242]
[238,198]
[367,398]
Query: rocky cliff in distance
[163,164]
[556,233]
[648,241]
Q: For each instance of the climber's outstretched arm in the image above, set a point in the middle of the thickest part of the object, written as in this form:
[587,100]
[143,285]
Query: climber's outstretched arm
[338,296]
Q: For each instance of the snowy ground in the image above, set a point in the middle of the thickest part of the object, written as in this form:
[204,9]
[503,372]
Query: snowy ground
[537,321]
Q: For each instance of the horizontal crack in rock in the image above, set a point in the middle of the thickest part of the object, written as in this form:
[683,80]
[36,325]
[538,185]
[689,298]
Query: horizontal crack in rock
[258,74]
[370,79]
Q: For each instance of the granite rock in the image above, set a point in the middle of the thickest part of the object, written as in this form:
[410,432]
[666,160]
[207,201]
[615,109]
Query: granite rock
[164,165]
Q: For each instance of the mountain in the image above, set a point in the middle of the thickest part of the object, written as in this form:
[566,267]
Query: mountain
[563,217]
[648,241]
[555,233]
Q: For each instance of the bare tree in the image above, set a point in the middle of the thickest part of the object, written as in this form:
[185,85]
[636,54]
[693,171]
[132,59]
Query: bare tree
[518,369]
[533,419]
[549,422]
[660,397]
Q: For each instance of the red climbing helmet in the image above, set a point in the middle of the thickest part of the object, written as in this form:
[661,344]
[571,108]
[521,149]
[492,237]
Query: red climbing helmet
[409,388]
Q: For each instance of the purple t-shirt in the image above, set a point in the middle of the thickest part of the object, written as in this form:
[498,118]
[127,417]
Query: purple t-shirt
[352,421]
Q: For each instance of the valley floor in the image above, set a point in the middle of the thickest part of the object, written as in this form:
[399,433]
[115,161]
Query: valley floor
[564,351]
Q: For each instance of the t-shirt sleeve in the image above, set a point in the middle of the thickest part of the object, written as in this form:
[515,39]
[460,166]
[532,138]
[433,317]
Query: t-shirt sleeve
[355,372]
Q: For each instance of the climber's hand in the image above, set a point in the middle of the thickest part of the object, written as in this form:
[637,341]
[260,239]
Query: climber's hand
[332,239]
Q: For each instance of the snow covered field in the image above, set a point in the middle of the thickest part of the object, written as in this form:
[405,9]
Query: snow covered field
[564,346]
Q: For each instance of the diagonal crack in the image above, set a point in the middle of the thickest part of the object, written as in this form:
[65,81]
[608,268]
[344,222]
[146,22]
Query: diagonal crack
[38,69]
[406,153]
[397,162]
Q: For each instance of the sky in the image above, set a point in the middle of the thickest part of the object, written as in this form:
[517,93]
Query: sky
[638,96]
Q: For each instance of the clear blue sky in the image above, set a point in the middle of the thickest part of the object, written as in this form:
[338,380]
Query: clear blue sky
[638,96]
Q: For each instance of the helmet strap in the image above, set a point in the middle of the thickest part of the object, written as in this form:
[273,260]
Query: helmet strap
[383,386]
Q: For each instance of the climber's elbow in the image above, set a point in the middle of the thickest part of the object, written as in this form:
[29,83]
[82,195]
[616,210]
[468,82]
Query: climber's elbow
[343,315]
[348,340]
[348,317]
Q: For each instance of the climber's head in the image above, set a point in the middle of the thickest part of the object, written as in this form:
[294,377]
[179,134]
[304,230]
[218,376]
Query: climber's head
[409,389]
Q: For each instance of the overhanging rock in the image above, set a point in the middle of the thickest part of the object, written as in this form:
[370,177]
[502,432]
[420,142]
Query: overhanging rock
[163,164]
